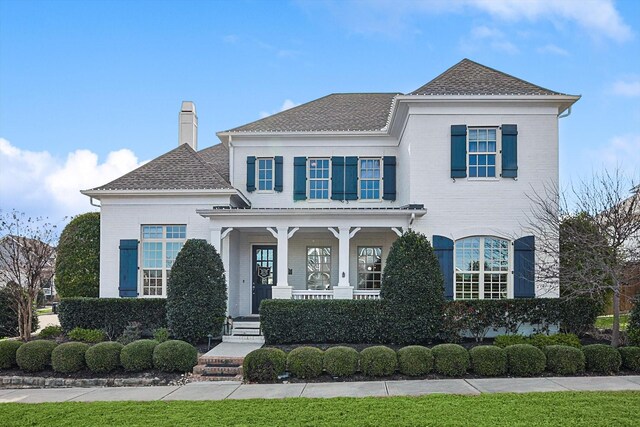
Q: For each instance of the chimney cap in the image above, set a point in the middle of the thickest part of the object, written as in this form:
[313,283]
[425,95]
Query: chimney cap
[188,107]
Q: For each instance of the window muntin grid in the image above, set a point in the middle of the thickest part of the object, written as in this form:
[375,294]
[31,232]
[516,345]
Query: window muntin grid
[369,177]
[482,152]
[488,279]
[265,174]
[160,246]
[319,176]
[319,268]
[369,267]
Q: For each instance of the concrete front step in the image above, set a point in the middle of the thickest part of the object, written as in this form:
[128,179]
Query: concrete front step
[199,377]
[220,360]
[257,339]
[246,324]
[245,331]
[217,370]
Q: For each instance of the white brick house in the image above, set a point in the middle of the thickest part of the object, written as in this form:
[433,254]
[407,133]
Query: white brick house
[306,203]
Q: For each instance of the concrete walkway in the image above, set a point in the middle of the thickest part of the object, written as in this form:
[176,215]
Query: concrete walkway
[236,390]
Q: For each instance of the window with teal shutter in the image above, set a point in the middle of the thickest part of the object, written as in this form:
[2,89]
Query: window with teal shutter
[278,172]
[443,248]
[509,151]
[299,178]
[251,173]
[337,178]
[524,272]
[458,151]
[351,178]
[128,283]
[389,178]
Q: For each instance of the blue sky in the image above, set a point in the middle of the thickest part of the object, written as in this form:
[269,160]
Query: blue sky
[90,89]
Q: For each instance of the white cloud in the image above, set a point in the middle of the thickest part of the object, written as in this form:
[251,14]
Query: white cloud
[230,38]
[482,36]
[40,184]
[552,49]
[285,106]
[626,87]
[622,151]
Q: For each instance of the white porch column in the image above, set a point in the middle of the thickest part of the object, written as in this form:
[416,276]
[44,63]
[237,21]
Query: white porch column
[282,290]
[344,290]
[216,238]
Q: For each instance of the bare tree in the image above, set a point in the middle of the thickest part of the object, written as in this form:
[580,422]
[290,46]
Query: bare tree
[588,238]
[26,262]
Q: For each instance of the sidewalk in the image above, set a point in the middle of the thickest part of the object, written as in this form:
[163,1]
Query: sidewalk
[236,390]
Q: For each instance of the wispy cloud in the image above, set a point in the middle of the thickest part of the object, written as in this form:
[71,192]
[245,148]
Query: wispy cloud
[287,104]
[483,36]
[231,38]
[620,151]
[40,184]
[552,49]
[629,88]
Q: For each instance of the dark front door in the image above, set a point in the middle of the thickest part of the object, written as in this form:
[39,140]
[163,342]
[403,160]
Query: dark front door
[264,274]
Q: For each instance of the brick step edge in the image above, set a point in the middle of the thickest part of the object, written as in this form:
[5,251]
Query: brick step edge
[214,360]
[212,370]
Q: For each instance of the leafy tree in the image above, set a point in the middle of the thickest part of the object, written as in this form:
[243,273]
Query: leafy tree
[196,292]
[78,258]
[413,285]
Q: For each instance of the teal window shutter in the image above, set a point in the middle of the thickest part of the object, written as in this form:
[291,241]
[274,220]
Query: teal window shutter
[278,172]
[299,178]
[458,151]
[524,273]
[351,178]
[337,178]
[128,286]
[509,151]
[443,248]
[389,179]
[251,173]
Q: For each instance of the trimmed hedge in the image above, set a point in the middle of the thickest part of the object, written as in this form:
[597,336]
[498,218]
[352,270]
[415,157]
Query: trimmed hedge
[488,360]
[630,358]
[35,356]
[87,335]
[633,327]
[305,362]
[415,360]
[378,361]
[564,360]
[8,349]
[175,356]
[112,315]
[264,365]
[525,360]
[69,357]
[450,359]
[538,340]
[51,331]
[602,358]
[138,355]
[341,361]
[103,357]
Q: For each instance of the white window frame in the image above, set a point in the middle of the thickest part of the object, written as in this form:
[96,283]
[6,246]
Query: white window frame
[380,180]
[164,269]
[359,271]
[497,154]
[481,272]
[309,160]
[306,268]
[273,174]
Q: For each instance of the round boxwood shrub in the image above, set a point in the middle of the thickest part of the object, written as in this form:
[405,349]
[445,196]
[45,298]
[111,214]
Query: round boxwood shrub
[450,359]
[35,356]
[630,358]
[525,360]
[564,359]
[305,362]
[175,356]
[378,361]
[602,358]
[103,357]
[138,355]
[69,357]
[415,360]
[488,360]
[264,364]
[341,361]
[8,350]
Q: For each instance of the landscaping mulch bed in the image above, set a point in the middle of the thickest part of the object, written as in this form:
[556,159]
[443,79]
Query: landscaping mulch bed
[87,374]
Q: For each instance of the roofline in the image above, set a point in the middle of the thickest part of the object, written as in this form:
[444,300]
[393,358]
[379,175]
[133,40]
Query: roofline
[308,211]
[172,192]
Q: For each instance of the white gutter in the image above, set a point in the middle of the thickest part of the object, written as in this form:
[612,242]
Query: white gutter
[309,212]
[174,192]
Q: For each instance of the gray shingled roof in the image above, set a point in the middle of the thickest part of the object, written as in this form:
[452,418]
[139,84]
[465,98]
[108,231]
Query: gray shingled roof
[179,169]
[218,158]
[335,112]
[470,78]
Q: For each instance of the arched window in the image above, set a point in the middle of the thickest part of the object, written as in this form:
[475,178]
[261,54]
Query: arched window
[481,268]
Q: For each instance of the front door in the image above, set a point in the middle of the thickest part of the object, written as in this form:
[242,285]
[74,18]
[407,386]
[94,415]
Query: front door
[264,274]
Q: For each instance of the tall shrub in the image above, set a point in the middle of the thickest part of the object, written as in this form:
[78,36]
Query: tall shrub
[78,258]
[196,292]
[413,286]
[633,328]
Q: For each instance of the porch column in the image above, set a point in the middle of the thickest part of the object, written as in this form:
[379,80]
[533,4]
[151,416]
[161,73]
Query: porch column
[282,290]
[216,238]
[344,290]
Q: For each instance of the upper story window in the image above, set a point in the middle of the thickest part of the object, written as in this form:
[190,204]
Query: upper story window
[481,268]
[370,176]
[369,267]
[319,176]
[265,174]
[160,247]
[482,152]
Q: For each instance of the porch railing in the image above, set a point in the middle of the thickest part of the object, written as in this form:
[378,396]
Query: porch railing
[304,294]
[366,294]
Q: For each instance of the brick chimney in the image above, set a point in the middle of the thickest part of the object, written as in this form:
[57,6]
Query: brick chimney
[188,125]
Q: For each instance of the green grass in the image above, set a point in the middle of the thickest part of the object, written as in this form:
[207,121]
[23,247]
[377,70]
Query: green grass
[533,409]
[46,310]
[606,322]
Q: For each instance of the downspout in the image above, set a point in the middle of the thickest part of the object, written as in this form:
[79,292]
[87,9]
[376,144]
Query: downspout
[567,113]
[93,204]
[231,176]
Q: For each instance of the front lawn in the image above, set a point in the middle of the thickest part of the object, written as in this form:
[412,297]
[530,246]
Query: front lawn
[606,322]
[538,409]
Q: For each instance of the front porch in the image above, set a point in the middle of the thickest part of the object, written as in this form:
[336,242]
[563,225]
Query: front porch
[304,253]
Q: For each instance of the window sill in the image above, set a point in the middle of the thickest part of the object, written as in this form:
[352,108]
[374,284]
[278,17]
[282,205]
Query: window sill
[484,179]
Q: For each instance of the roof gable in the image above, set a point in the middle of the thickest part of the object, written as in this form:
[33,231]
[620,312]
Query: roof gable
[470,78]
